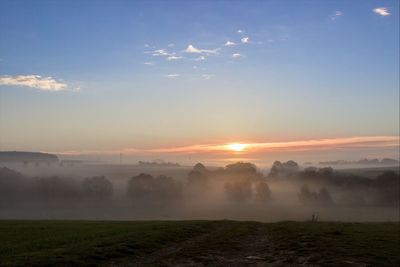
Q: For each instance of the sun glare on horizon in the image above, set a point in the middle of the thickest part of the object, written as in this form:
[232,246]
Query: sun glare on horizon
[237,147]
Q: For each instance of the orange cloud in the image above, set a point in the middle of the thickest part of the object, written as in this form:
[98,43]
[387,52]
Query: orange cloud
[333,143]
[304,145]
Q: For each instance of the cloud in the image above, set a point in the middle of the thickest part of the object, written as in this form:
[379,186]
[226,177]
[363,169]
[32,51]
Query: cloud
[239,31]
[229,43]
[383,11]
[194,50]
[34,81]
[336,15]
[161,52]
[174,75]
[170,58]
[305,145]
[200,58]
[237,55]
[149,46]
[245,40]
[207,76]
[171,45]
[359,142]
[148,63]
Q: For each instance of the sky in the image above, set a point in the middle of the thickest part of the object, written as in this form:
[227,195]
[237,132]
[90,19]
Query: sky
[191,77]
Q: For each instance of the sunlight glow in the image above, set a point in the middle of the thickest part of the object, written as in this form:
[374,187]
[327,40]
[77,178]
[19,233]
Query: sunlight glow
[361,142]
[236,147]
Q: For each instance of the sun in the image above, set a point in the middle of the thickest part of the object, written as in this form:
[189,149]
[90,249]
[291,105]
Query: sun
[236,147]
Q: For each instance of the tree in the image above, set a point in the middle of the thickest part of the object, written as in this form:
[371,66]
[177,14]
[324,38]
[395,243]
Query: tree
[388,188]
[56,188]
[263,193]
[241,168]
[141,188]
[167,189]
[324,197]
[325,172]
[13,186]
[200,168]
[97,187]
[306,196]
[161,191]
[197,179]
[238,190]
[283,169]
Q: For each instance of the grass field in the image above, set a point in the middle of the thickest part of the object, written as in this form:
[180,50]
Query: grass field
[198,243]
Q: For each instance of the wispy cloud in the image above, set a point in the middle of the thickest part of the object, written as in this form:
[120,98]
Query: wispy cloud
[194,50]
[207,76]
[245,40]
[148,63]
[359,142]
[171,58]
[200,58]
[239,31]
[336,15]
[230,43]
[161,52]
[34,81]
[174,75]
[334,143]
[383,11]
[237,55]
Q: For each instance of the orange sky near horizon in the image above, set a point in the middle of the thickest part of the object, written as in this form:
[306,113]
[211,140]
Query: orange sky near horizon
[248,148]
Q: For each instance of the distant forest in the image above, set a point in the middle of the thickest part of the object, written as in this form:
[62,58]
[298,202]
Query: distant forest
[242,183]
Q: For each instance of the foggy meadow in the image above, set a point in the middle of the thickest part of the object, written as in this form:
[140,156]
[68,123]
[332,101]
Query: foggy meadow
[237,191]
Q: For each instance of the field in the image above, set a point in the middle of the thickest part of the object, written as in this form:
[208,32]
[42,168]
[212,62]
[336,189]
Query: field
[198,243]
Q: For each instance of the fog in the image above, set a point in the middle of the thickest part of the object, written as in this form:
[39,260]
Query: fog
[237,191]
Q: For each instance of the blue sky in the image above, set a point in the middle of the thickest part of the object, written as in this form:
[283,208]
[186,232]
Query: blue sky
[109,75]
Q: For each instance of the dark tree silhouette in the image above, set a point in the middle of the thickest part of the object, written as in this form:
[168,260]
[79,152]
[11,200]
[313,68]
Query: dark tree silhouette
[241,168]
[325,172]
[97,187]
[13,186]
[238,190]
[283,169]
[388,188]
[145,189]
[56,188]
[263,193]
[324,197]
[306,196]
[168,190]
[141,188]
[197,179]
[200,168]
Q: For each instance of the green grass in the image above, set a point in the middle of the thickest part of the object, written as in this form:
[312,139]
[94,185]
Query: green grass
[85,243]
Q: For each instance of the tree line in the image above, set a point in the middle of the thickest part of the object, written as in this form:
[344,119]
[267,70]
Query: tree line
[242,183]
